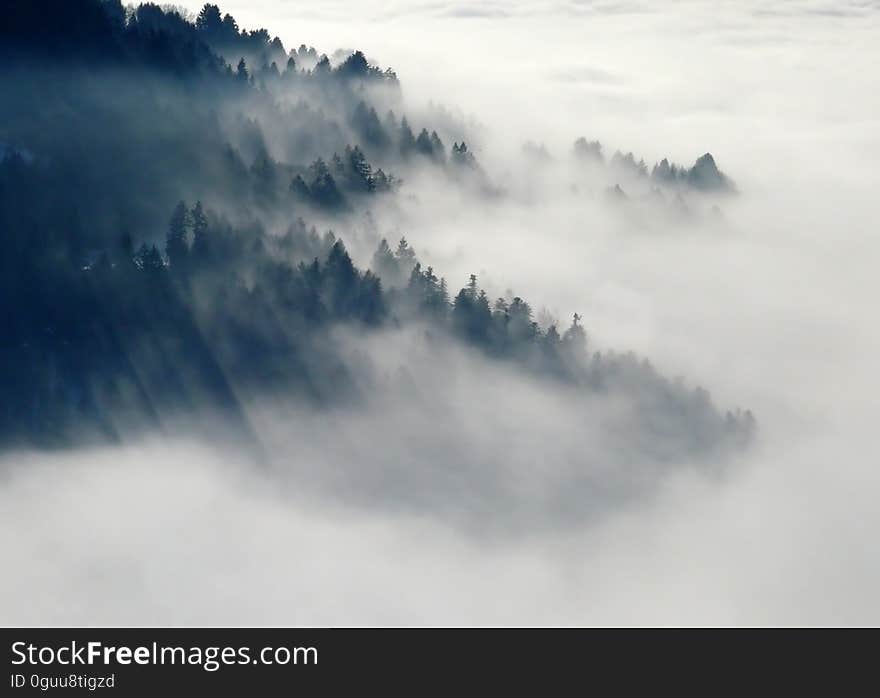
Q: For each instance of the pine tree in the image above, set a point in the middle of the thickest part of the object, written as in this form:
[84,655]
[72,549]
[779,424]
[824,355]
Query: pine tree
[472,287]
[126,246]
[337,166]
[209,20]
[424,144]
[149,259]
[341,280]
[407,140]
[200,231]
[176,246]
[370,303]
[406,256]
[361,173]
[381,181]
[471,316]
[575,338]
[299,187]
[462,156]
[392,125]
[437,147]
[230,28]
[325,193]
[241,72]
[520,327]
[443,294]
[265,176]
[322,67]
[366,122]
[385,264]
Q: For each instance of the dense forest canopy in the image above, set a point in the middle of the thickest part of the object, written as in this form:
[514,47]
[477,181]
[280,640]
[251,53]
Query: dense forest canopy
[169,191]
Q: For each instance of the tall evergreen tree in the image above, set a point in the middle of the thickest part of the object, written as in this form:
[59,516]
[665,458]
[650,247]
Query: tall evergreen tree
[575,338]
[407,141]
[424,144]
[359,170]
[438,150]
[176,245]
[149,259]
[241,71]
[385,264]
[406,256]
[199,222]
[209,20]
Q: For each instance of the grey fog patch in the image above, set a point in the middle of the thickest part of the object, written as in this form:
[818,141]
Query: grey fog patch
[588,74]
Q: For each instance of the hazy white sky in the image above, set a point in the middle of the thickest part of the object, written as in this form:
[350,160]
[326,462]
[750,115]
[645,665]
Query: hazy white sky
[778,315]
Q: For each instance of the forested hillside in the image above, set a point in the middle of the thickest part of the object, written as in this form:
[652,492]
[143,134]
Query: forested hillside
[174,194]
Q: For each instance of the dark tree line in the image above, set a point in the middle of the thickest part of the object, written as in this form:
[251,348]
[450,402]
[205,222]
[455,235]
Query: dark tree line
[124,111]
[704,175]
[123,307]
[220,313]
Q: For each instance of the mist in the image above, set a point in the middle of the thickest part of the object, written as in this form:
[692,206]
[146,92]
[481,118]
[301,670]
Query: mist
[457,489]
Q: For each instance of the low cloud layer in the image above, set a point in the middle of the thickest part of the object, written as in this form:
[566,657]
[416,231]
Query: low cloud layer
[176,533]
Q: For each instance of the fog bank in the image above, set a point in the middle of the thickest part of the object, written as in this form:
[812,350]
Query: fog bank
[477,496]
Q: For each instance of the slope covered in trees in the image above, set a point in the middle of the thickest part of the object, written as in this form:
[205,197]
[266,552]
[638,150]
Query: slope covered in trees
[156,174]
